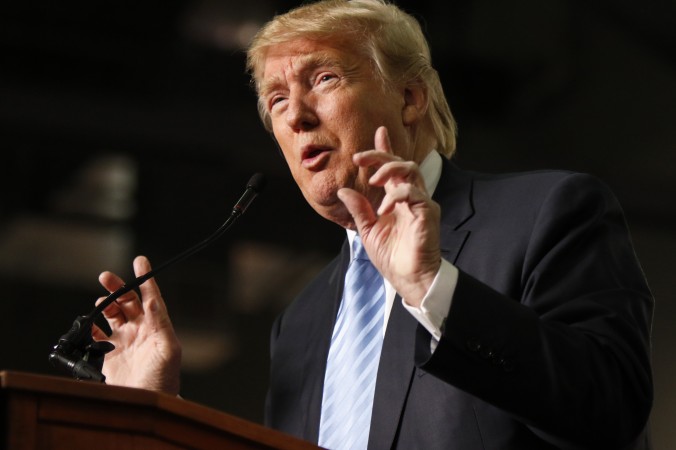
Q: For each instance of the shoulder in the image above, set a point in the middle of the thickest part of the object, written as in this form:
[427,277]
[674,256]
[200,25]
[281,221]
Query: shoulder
[534,183]
[532,189]
[512,208]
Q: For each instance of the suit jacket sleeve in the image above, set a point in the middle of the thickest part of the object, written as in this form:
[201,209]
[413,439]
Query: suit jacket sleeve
[564,345]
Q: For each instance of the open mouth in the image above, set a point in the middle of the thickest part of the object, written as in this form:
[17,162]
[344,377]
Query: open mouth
[314,157]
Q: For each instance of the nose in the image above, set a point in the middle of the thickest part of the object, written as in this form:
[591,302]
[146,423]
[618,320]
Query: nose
[300,112]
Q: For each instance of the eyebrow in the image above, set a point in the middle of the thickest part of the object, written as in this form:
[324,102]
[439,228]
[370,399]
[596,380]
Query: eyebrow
[269,85]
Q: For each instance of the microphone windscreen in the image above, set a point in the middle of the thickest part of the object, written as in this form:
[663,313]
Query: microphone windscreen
[257,182]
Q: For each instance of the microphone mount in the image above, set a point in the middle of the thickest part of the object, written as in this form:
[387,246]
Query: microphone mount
[78,354]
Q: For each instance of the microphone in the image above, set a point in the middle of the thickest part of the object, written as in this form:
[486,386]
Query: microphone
[76,351]
[255,185]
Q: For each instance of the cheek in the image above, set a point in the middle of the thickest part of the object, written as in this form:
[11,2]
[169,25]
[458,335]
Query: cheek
[356,129]
[372,113]
[284,143]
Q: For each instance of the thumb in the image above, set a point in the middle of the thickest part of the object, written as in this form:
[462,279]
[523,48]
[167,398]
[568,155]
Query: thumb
[359,208]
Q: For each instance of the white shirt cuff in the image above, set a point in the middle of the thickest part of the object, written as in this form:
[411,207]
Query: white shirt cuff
[436,304]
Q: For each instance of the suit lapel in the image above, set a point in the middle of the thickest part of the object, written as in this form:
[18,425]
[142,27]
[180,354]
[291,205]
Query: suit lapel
[394,377]
[319,330]
[452,242]
[454,194]
[397,368]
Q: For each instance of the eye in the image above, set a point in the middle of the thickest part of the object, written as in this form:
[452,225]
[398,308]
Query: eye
[275,100]
[325,77]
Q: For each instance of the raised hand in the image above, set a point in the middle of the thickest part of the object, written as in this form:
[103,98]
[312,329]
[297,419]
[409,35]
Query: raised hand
[402,237]
[147,352]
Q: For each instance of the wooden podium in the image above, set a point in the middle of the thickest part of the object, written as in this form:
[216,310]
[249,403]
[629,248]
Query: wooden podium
[51,413]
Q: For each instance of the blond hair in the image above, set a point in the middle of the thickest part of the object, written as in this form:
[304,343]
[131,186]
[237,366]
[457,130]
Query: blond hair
[391,38]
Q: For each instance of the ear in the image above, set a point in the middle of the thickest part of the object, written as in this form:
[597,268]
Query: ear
[415,103]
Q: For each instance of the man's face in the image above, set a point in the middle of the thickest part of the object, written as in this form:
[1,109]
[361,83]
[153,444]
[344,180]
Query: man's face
[325,104]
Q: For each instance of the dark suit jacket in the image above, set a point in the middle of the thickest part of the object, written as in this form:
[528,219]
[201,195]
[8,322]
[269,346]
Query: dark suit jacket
[547,340]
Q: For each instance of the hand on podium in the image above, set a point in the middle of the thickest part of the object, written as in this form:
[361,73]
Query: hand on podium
[147,352]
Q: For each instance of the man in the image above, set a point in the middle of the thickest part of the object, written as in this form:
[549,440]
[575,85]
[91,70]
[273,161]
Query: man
[513,313]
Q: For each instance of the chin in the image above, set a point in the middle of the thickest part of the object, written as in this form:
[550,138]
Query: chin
[336,213]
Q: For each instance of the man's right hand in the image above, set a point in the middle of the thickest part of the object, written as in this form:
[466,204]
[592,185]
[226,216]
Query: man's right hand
[147,352]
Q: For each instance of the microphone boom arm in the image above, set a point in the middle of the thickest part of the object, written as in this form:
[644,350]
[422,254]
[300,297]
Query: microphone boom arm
[76,351]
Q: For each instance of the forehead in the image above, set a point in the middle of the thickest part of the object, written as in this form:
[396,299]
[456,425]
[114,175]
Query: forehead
[304,54]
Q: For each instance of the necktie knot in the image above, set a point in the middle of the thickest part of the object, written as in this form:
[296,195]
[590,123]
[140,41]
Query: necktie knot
[358,250]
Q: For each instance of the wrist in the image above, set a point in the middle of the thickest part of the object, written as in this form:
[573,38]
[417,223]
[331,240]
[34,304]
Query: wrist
[416,288]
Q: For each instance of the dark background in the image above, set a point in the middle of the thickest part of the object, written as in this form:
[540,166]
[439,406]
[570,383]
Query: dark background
[130,127]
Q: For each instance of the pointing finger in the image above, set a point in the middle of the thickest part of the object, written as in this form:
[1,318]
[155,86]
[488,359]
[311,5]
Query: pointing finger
[382,140]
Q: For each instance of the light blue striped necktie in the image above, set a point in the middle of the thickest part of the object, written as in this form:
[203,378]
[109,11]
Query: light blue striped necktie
[352,364]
